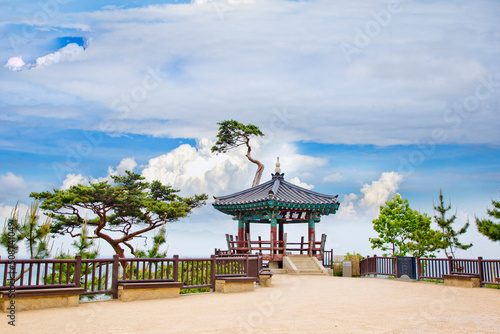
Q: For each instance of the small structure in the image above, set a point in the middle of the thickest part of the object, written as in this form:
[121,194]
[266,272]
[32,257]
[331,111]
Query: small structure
[277,203]
[462,280]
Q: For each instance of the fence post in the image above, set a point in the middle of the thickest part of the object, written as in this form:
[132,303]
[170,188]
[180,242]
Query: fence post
[374,265]
[480,270]
[78,270]
[114,277]
[418,268]
[395,266]
[213,258]
[302,245]
[450,264]
[175,270]
[247,269]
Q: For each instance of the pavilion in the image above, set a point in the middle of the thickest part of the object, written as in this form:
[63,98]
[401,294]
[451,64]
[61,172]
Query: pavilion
[277,203]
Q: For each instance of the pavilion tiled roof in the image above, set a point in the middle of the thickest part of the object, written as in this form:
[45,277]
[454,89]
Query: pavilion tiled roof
[276,189]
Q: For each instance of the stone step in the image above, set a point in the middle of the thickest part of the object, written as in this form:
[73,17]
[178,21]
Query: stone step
[307,267]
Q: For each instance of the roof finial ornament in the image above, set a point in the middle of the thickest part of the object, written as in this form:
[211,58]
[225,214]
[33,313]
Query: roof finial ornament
[278,169]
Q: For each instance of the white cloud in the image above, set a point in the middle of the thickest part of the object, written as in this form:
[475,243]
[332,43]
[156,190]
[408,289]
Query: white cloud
[73,180]
[65,54]
[12,186]
[333,178]
[297,182]
[275,54]
[197,170]
[347,209]
[15,63]
[378,192]
[125,164]
[222,2]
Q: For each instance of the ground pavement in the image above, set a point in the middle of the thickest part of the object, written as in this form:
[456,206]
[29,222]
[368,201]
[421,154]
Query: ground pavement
[294,304]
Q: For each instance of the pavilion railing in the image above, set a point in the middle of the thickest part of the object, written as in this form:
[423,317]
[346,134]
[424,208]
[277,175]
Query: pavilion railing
[260,246]
[102,276]
[432,268]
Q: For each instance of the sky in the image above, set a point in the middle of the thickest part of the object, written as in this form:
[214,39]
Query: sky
[363,99]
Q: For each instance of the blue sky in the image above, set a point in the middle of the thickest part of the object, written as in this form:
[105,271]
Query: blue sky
[361,100]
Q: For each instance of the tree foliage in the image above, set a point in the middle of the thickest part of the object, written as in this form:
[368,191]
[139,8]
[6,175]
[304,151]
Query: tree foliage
[449,241]
[34,234]
[120,211]
[234,134]
[487,227]
[402,230]
[159,239]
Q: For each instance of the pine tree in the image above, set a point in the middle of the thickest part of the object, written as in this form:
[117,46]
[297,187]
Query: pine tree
[449,241]
[34,234]
[233,134]
[488,227]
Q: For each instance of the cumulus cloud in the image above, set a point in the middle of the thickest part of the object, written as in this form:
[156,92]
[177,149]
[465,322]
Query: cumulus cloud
[297,182]
[74,179]
[196,169]
[126,164]
[15,63]
[378,192]
[12,186]
[347,209]
[65,54]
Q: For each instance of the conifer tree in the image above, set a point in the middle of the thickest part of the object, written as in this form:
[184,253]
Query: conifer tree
[34,234]
[449,241]
[488,227]
[233,134]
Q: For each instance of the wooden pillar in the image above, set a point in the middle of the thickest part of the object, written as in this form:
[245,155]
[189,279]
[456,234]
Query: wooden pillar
[274,232]
[247,231]
[311,236]
[241,234]
[280,235]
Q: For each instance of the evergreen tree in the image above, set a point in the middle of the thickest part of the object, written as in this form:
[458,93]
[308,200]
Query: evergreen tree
[34,234]
[449,241]
[159,239]
[233,134]
[488,227]
[124,210]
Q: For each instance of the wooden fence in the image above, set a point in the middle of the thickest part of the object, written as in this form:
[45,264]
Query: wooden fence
[101,276]
[430,268]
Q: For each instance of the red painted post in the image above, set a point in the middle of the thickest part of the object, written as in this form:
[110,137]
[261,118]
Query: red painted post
[281,235]
[241,234]
[480,270]
[274,234]
[450,264]
[311,236]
